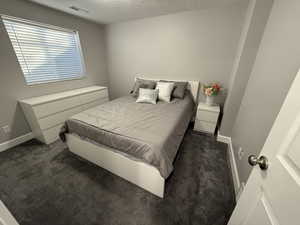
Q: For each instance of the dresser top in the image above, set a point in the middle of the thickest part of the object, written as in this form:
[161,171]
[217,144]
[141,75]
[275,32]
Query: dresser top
[212,108]
[61,95]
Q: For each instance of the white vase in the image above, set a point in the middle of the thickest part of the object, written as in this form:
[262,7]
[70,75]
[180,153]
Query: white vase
[210,100]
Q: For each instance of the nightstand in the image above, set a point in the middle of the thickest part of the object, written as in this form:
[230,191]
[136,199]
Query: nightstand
[207,118]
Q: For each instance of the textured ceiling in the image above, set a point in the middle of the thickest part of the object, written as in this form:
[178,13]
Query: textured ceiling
[111,11]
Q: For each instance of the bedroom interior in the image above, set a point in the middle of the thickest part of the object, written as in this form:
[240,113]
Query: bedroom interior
[147,112]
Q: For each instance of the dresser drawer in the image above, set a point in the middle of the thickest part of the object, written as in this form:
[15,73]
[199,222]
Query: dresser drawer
[207,116]
[91,97]
[52,134]
[56,106]
[46,114]
[94,103]
[205,126]
[58,118]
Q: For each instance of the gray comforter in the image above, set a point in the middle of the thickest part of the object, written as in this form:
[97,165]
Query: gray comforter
[150,133]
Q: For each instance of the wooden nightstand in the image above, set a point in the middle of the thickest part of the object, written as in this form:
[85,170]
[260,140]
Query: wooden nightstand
[207,118]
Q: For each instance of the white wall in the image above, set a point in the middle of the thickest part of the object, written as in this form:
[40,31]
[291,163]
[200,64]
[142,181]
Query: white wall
[275,67]
[253,29]
[193,45]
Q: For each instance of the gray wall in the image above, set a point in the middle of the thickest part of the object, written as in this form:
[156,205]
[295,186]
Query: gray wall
[12,84]
[255,21]
[193,45]
[276,65]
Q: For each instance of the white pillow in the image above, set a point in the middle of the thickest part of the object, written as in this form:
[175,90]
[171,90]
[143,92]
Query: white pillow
[165,90]
[147,96]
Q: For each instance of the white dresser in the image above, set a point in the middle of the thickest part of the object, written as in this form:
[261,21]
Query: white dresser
[46,114]
[207,118]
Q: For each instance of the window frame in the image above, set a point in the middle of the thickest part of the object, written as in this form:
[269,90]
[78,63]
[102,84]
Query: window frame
[53,27]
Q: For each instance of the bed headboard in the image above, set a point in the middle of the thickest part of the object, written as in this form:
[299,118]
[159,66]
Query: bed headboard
[193,86]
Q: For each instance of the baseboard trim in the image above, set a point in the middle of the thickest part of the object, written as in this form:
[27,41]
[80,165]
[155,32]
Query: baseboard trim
[16,141]
[234,170]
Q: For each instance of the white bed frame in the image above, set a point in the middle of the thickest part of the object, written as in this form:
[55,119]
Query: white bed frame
[137,172]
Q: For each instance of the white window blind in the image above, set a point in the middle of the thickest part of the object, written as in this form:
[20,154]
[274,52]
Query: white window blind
[45,53]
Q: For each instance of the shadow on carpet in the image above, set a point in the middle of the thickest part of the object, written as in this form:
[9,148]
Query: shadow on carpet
[48,185]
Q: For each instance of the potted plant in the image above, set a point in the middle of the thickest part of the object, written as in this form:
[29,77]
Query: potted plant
[210,92]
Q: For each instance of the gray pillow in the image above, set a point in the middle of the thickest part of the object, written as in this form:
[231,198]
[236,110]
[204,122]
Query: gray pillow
[141,83]
[179,88]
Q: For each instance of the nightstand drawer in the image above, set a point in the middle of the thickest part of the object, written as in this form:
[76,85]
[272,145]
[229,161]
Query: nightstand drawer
[205,126]
[207,116]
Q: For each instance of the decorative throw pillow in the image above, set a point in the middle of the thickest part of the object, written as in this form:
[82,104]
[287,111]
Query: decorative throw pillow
[147,96]
[179,88]
[164,90]
[141,83]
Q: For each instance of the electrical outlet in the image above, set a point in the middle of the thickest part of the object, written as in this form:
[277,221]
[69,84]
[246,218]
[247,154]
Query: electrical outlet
[240,153]
[6,129]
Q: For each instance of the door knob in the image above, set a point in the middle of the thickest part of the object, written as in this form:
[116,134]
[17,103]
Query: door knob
[262,161]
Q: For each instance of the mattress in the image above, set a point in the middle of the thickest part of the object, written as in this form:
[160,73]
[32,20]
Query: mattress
[150,133]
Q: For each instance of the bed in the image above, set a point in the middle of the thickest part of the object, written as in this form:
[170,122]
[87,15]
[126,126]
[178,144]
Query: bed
[135,141]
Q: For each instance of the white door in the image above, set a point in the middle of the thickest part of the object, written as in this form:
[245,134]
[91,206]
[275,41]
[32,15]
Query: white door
[272,196]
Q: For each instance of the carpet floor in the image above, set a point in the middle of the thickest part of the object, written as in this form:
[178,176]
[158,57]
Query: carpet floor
[48,185]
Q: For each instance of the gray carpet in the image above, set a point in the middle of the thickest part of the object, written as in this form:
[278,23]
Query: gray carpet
[47,185]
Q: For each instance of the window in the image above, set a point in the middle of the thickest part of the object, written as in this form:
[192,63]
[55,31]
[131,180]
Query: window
[45,53]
